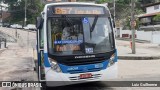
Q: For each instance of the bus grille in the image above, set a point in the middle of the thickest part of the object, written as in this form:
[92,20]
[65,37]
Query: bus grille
[81,71]
[72,62]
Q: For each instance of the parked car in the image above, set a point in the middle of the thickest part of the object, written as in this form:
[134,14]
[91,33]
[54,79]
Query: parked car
[6,25]
[16,26]
[30,27]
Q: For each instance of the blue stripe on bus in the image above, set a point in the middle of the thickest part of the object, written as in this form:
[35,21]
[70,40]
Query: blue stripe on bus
[46,62]
[84,68]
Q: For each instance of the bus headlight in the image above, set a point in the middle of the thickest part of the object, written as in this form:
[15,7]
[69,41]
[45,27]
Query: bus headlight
[54,65]
[111,61]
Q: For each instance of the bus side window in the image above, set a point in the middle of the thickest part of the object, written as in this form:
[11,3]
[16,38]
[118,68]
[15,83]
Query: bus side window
[53,39]
[41,37]
[56,37]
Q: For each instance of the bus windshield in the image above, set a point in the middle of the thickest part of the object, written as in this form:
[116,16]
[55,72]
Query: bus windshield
[79,35]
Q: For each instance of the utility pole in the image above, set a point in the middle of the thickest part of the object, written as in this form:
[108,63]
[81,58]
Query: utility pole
[1,15]
[25,18]
[114,5]
[133,26]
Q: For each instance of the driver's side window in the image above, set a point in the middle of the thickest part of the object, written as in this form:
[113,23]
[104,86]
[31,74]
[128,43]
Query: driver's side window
[41,37]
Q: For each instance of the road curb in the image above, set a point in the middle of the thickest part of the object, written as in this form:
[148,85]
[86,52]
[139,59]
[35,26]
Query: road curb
[136,40]
[139,57]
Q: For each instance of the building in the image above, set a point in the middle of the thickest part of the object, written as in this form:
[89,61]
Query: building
[149,27]
[147,20]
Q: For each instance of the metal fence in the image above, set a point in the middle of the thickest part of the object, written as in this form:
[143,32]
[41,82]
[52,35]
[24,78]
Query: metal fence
[7,37]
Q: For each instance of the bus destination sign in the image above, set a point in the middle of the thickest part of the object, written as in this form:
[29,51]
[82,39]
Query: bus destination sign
[78,10]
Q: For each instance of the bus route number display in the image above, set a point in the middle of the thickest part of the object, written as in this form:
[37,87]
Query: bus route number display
[78,10]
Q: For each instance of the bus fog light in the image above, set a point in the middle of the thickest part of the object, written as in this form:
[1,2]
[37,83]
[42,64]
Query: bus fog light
[111,61]
[54,65]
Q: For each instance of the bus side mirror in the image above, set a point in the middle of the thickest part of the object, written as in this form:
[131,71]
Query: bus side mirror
[39,22]
[114,24]
[113,21]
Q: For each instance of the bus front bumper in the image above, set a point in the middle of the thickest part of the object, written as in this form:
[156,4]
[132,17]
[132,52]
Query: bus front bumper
[61,79]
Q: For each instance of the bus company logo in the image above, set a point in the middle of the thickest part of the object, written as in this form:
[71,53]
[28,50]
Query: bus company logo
[72,68]
[6,84]
[88,56]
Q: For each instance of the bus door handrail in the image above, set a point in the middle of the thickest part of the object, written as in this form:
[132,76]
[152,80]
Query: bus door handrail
[39,66]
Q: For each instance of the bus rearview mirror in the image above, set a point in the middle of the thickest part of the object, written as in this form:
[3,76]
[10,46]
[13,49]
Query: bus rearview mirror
[113,21]
[39,22]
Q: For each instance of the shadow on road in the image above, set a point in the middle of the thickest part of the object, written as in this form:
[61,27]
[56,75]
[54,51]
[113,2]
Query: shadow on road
[84,86]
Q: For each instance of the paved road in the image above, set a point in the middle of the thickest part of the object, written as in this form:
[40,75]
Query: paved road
[16,62]
[131,68]
[143,70]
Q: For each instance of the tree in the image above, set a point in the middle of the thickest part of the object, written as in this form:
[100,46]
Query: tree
[123,9]
[17,10]
[103,1]
[34,8]
[157,17]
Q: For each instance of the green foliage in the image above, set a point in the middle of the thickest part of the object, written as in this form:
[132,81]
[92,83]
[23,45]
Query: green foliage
[103,1]
[17,10]
[128,23]
[157,17]
[123,10]
[123,2]
[34,8]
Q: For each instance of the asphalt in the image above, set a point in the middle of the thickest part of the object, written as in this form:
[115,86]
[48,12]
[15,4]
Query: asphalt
[144,50]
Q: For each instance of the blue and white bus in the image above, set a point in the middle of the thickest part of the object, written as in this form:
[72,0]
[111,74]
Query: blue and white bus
[75,43]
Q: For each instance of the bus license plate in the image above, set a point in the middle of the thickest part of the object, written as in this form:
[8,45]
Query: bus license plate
[87,75]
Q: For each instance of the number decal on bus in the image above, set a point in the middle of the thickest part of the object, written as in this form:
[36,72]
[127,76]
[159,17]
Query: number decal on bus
[62,10]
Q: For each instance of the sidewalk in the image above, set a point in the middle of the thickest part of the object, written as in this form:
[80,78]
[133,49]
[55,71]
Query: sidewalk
[16,61]
[144,51]
[1,50]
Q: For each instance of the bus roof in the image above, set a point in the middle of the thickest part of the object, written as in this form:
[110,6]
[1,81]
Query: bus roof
[73,3]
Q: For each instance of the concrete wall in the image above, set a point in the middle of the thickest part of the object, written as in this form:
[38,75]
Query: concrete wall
[123,32]
[152,36]
[156,37]
[142,35]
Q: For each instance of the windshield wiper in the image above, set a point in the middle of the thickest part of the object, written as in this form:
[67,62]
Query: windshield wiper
[94,23]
